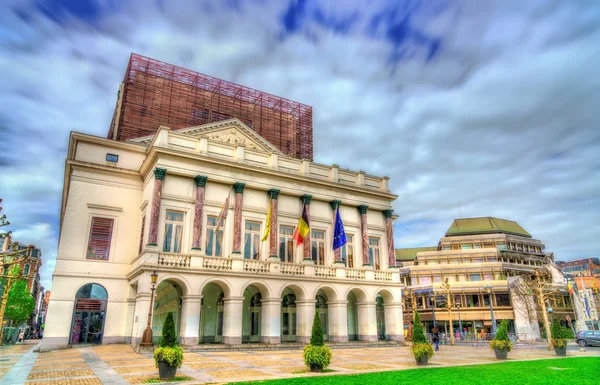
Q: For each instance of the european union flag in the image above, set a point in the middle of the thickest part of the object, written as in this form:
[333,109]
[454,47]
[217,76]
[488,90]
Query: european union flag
[339,235]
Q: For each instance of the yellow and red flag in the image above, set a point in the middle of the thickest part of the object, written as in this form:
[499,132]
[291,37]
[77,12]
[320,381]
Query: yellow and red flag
[570,287]
[595,286]
[268,226]
[303,227]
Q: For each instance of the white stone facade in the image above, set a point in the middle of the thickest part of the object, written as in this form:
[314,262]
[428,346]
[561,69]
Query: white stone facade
[245,295]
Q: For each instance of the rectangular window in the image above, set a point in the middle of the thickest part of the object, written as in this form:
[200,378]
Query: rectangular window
[501,246]
[173,232]
[100,237]
[502,300]
[477,245]
[26,270]
[486,300]
[487,276]
[317,239]
[437,278]
[477,260]
[374,253]
[141,246]
[473,300]
[446,247]
[474,277]
[455,261]
[286,243]
[466,246]
[424,280]
[214,239]
[252,240]
[112,158]
[348,251]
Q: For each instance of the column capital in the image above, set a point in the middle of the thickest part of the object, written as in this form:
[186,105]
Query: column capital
[363,209]
[388,213]
[273,193]
[238,187]
[159,173]
[335,204]
[200,180]
[306,199]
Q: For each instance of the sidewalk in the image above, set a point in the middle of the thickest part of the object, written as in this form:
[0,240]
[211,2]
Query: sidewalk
[119,364]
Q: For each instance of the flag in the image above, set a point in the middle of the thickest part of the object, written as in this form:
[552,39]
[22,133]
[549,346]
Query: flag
[595,286]
[339,235]
[303,228]
[570,287]
[223,213]
[268,227]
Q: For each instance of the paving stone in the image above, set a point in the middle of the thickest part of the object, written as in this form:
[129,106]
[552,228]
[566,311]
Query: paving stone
[59,373]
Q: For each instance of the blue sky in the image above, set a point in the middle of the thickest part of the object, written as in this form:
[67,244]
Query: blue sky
[494,103]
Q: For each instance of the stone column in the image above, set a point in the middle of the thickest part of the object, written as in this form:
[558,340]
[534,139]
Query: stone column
[271,321]
[198,211]
[237,217]
[306,244]
[364,234]
[190,319]
[273,194]
[394,328]
[389,233]
[305,313]
[337,253]
[338,321]
[159,176]
[367,321]
[232,320]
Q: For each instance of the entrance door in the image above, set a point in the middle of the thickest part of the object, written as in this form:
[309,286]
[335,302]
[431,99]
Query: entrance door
[380,311]
[255,313]
[288,318]
[87,326]
[219,330]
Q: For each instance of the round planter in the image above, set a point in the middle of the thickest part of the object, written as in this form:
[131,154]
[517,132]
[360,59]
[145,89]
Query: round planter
[315,368]
[166,371]
[422,361]
[501,354]
[561,352]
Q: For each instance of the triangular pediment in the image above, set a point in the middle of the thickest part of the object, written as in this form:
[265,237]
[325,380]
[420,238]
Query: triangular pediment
[230,131]
[234,132]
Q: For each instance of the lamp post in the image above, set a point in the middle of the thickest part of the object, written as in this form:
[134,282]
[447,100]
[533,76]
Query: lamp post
[432,299]
[459,321]
[489,291]
[449,304]
[147,337]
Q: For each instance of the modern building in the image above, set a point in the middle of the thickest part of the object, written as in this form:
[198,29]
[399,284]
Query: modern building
[150,198]
[588,294]
[477,263]
[588,267]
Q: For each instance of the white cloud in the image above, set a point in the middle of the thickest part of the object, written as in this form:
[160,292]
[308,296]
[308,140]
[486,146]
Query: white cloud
[503,117]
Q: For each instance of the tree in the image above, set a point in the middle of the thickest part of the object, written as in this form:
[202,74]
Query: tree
[169,337]
[418,336]
[316,337]
[20,303]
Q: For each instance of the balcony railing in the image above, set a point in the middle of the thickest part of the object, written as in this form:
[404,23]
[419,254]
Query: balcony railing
[196,262]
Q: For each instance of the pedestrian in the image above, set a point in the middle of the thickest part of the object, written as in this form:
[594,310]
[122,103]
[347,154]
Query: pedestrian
[21,335]
[436,338]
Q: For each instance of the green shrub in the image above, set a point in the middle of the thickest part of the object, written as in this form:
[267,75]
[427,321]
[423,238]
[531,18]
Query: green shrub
[169,337]
[421,350]
[172,355]
[501,340]
[418,336]
[316,336]
[560,335]
[319,356]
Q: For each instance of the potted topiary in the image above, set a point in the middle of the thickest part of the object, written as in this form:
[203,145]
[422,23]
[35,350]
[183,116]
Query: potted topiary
[501,344]
[169,356]
[420,348]
[559,339]
[316,355]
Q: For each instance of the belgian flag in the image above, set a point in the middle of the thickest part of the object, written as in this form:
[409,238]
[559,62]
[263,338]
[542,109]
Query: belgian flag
[302,228]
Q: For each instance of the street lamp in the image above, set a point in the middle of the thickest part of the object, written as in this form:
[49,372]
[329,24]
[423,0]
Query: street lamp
[432,299]
[459,321]
[147,337]
[489,291]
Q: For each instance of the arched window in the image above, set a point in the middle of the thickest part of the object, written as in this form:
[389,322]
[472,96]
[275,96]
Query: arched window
[89,314]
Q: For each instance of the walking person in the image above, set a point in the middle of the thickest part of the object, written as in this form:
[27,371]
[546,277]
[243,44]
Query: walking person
[436,338]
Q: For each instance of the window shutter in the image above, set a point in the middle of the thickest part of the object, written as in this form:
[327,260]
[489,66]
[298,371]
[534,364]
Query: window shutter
[100,235]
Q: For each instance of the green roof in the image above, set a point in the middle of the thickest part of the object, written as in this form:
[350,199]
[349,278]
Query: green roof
[485,225]
[410,253]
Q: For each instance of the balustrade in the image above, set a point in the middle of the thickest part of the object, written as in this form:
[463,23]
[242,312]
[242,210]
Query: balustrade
[325,271]
[174,260]
[292,269]
[355,274]
[383,275]
[256,266]
[216,263]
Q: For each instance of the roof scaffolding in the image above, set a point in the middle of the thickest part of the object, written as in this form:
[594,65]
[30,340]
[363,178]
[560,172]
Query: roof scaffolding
[155,94]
